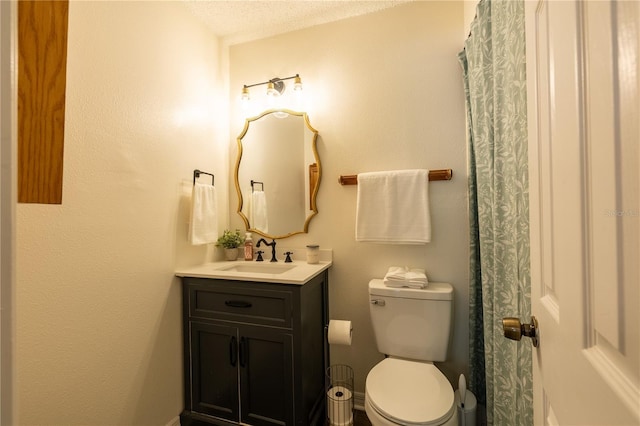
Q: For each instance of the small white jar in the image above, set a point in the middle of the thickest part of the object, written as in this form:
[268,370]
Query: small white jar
[313,253]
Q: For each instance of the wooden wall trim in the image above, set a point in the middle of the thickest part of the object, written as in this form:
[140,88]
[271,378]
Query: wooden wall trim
[42,68]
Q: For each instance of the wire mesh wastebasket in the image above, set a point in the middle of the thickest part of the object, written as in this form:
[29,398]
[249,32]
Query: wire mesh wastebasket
[339,395]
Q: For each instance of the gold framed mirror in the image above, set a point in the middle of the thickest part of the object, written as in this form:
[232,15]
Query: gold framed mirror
[277,173]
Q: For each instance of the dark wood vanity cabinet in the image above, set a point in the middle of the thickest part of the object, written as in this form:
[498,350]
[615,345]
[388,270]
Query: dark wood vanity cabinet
[254,352]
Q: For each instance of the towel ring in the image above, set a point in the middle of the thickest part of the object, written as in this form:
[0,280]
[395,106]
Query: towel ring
[254,182]
[197,173]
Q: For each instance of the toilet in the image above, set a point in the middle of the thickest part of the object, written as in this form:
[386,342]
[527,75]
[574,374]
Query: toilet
[412,328]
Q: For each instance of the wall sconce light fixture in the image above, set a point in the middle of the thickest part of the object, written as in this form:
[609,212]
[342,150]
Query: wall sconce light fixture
[275,86]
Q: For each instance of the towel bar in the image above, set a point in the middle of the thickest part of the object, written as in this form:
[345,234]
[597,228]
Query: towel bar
[197,173]
[442,174]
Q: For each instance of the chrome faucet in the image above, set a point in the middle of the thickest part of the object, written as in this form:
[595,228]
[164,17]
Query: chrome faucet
[273,248]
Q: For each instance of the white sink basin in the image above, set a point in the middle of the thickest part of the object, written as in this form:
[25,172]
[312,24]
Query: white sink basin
[260,268]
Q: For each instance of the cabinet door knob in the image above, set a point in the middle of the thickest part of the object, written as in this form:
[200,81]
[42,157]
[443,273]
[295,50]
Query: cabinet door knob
[243,352]
[233,351]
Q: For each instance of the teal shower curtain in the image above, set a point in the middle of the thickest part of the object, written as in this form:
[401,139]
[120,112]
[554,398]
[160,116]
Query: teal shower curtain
[493,62]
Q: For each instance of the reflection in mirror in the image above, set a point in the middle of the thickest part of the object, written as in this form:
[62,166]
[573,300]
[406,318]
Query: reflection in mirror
[277,173]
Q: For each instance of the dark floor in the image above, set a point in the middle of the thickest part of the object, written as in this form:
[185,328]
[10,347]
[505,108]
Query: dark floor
[359,418]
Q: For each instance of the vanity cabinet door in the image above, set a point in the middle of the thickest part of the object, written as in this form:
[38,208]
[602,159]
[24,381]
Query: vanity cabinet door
[214,371]
[266,376]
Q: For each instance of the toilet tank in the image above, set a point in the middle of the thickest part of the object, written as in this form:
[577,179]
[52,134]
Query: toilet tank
[412,323]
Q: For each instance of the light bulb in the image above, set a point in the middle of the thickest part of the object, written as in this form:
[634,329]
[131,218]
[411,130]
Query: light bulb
[297,84]
[271,90]
[245,94]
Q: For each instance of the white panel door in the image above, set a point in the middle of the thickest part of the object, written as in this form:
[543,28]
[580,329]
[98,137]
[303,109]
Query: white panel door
[584,159]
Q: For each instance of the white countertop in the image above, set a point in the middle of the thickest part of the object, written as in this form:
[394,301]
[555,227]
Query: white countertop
[298,272]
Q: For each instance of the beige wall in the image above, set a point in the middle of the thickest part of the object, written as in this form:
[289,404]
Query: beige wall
[469,14]
[98,309]
[385,92]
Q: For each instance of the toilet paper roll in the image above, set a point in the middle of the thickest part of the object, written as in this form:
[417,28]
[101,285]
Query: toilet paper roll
[340,332]
[340,406]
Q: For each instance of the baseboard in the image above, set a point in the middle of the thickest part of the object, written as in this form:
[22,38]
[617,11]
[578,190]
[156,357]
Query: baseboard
[174,422]
[358,404]
[358,401]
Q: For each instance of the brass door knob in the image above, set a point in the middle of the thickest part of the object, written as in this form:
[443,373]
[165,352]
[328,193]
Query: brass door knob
[514,330]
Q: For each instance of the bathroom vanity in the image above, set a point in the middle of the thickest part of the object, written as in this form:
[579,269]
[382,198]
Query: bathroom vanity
[254,343]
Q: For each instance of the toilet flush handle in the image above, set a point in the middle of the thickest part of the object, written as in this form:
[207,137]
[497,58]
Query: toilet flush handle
[378,302]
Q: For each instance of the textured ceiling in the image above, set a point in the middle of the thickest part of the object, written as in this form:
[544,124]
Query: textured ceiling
[240,21]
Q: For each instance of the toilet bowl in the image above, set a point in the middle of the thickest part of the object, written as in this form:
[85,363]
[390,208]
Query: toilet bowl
[403,392]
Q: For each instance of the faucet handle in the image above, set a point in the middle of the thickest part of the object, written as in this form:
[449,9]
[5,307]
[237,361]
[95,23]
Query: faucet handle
[288,258]
[259,253]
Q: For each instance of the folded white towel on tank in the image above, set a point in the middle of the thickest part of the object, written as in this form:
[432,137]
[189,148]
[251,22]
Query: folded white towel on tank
[402,276]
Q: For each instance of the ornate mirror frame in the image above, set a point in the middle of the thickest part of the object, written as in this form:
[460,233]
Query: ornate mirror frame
[314,170]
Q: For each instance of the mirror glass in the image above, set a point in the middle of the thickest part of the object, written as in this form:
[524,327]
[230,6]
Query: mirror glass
[277,173]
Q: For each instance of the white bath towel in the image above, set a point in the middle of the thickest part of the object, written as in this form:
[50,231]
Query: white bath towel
[203,228]
[393,207]
[402,276]
[259,214]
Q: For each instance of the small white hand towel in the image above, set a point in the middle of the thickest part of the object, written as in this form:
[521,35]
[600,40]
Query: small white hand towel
[203,228]
[400,284]
[393,207]
[396,273]
[398,276]
[259,217]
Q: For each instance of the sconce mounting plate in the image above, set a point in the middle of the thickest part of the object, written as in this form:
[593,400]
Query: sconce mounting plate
[278,84]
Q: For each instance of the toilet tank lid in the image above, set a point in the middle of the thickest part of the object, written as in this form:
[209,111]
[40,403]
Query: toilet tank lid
[433,291]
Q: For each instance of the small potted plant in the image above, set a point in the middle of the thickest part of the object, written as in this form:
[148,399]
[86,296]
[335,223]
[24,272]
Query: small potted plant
[230,240]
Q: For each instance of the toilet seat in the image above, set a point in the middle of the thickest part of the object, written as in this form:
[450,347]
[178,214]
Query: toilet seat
[410,392]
